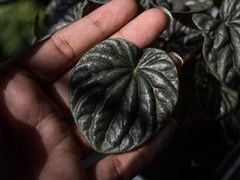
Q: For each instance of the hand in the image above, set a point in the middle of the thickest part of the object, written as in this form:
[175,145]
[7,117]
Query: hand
[35,140]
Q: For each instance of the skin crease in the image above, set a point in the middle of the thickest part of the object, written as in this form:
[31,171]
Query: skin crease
[35,140]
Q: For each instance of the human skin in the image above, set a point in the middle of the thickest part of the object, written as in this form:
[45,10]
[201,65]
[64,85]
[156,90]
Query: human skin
[36,141]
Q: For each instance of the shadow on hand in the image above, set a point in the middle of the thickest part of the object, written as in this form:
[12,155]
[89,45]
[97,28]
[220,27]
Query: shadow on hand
[22,153]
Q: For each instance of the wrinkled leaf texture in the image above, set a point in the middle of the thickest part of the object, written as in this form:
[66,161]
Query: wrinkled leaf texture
[184,6]
[181,39]
[175,6]
[221,49]
[231,124]
[216,99]
[120,96]
[61,13]
[229,168]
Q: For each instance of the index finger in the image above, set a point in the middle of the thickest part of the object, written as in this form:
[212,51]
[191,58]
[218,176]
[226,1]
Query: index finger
[52,57]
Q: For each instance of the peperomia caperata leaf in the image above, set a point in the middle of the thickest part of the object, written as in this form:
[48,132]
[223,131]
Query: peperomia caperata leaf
[184,6]
[221,42]
[180,38]
[61,13]
[216,99]
[175,6]
[120,96]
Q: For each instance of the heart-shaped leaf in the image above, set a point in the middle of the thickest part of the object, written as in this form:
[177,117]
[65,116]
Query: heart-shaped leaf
[221,43]
[120,96]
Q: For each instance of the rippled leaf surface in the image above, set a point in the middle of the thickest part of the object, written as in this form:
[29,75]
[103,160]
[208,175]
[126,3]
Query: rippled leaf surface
[176,6]
[121,96]
[61,13]
[187,6]
[216,99]
[221,43]
[181,39]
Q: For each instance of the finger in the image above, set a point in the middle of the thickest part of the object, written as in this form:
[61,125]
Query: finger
[29,113]
[159,21]
[52,57]
[141,31]
[127,165]
[145,28]
[63,101]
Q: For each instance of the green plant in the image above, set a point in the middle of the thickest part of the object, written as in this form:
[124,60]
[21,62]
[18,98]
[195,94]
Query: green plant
[206,33]
[120,96]
[16,22]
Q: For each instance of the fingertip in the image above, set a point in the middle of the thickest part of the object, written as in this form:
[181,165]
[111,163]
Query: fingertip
[160,15]
[167,12]
[145,28]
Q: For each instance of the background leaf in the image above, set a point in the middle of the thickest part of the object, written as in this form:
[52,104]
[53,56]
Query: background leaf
[184,40]
[61,13]
[184,6]
[221,43]
[217,99]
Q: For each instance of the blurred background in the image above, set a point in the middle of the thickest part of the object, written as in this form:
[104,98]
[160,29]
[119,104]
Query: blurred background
[17,20]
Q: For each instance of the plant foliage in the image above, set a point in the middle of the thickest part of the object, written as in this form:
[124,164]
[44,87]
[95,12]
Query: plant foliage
[120,95]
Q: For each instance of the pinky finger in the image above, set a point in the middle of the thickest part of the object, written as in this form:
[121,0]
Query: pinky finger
[127,165]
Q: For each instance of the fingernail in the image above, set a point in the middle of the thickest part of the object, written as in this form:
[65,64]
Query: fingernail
[167,12]
[177,59]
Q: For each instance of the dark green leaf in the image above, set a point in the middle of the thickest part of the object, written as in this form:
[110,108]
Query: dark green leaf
[121,96]
[184,6]
[61,13]
[229,168]
[181,39]
[221,43]
[231,124]
[216,99]
[175,6]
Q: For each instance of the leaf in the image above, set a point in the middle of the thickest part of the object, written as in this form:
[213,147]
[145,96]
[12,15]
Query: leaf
[221,43]
[184,6]
[188,108]
[216,99]
[229,168]
[175,6]
[121,96]
[231,124]
[181,39]
[61,13]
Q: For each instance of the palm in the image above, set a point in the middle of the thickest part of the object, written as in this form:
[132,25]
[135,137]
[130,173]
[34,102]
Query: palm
[39,139]
[35,140]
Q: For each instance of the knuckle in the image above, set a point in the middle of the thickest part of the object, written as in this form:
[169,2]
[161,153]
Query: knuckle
[116,165]
[63,46]
[97,24]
